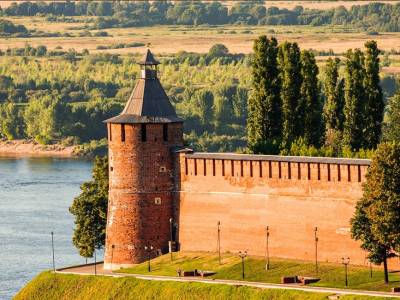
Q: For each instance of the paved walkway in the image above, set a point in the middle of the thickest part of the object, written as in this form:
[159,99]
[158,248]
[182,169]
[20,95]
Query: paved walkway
[90,270]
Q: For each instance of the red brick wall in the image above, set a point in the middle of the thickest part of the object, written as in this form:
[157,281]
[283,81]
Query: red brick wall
[292,198]
[245,194]
[140,192]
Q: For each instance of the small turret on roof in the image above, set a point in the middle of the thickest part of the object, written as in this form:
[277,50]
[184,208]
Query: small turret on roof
[148,59]
[148,102]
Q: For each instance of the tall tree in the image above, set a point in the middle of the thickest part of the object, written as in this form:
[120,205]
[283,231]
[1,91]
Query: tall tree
[333,108]
[290,76]
[353,131]
[264,109]
[392,120]
[334,103]
[90,210]
[376,221]
[374,98]
[310,105]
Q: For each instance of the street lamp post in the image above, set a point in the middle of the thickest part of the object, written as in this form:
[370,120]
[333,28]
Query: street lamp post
[219,241]
[171,235]
[370,269]
[316,249]
[148,249]
[52,247]
[242,255]
[345,262]
[267,249]
[94,252]
[95,268]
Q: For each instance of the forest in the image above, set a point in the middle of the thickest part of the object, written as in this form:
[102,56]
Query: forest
[64,98]
[372,16]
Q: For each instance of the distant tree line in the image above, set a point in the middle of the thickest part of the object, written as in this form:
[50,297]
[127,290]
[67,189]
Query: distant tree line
[379,16]
[9,29]
[287,109]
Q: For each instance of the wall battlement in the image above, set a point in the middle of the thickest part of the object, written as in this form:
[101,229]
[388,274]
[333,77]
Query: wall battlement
[275,167]
[290,195]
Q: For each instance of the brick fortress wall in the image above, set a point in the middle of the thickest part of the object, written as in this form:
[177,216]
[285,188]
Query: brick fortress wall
[246,193]
[140,191]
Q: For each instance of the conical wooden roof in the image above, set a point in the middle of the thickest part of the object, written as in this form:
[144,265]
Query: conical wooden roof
[148,102]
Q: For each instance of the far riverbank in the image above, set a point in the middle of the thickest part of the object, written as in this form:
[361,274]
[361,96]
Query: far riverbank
[28,148]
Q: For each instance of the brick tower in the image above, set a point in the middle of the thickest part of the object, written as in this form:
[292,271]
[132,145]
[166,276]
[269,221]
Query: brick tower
[141,142]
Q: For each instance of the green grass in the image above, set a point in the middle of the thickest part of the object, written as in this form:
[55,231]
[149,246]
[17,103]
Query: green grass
[63,286]
[331,275]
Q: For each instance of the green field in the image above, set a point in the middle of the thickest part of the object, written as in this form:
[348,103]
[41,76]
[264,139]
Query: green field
[59,286]
[331,275]
[168,39]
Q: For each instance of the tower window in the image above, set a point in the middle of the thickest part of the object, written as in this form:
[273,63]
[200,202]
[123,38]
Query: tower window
[110,132]
[122,132]
[165,132]
[144,133]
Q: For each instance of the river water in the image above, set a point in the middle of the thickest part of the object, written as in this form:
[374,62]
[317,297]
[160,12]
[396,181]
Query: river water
[35,194]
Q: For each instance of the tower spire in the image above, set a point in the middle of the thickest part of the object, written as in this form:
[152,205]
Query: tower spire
[148,59]
[148,102]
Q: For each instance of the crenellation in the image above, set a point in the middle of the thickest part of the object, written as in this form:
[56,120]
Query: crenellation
[282,170]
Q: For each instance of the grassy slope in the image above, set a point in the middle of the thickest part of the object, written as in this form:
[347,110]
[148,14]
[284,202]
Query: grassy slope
[332,275]
[62,286]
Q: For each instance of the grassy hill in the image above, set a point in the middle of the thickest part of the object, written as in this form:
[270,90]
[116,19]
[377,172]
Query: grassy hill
[331,274]
[62,286]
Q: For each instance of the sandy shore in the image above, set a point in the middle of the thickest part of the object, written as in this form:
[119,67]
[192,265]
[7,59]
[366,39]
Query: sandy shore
[31,148]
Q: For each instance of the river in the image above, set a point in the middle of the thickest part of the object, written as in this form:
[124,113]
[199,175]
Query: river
[35,194]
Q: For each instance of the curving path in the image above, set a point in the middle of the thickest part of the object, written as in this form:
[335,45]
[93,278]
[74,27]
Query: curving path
[90,270]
